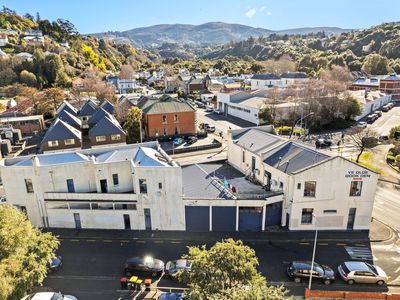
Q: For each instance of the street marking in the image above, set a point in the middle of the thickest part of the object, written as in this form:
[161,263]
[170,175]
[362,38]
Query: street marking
[107,241]
[363,253]
[91,241]
[73,240]
[158,242]
[341,244]
[304,243]
[124,241]
[323,244]
[360,245]
[140,242]
[175,242]
[397,270]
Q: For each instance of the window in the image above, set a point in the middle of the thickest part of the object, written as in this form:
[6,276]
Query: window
[143,186]
[125,206]
[52,143]
[280,184]
[164,119]
[176,118]
[299,186]
[115,137]
[330,211]
[68,142]
[165,131]
[309,188]
[84,118]
[176,130]
[115,179]
[307,216]
[156,131]
[243,156]
[57,205]
[355,188]
[100,138]
[160,185]
[70,186]
[29,185]
[81,205]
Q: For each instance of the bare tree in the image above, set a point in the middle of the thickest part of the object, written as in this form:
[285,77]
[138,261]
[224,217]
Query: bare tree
[126,72]
[363,140]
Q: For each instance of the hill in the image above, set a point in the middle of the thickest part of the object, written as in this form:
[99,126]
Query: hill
[204,34]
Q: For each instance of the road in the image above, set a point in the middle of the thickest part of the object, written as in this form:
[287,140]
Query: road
[387,204]
[388,120]
[221,122]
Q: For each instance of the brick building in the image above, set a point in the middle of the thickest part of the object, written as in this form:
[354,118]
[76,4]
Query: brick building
[388,84]
[167,116]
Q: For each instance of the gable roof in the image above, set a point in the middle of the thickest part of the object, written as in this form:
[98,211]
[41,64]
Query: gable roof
[107,106]
[60,130]
[100,113]
[106,126]
[292,157]
[68,107]
[391,77]
[164,105]
[254,139]
[294,75]
[265,77]
[69,118]
[88,109]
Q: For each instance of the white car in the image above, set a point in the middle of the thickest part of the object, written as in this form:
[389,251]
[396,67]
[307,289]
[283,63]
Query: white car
[209,108]
[362,125]
[49,296]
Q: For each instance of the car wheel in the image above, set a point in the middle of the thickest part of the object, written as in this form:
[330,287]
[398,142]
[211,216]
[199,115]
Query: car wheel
[327,282]
[380,282]
[297,279]
[351,281]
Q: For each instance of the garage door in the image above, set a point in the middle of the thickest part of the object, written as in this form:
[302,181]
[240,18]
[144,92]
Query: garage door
[273,214]
[250,218]
[197,218]
[223,218]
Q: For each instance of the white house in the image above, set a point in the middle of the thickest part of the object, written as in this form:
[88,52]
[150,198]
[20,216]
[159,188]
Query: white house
[117,187]
[264,81]
[288,79]
[3,39]
[126,85]
[369,101]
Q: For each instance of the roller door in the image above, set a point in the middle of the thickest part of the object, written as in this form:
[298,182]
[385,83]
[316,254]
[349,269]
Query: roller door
[223,218]
[250,218]
[197,218]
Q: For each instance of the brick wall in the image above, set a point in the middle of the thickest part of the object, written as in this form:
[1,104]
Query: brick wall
[186,124]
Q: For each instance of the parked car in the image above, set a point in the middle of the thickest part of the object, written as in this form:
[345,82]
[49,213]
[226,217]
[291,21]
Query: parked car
[321,143]
[300,270]
[386,108]
[391,105]
[146,264]
[209,108]
[171,296]
[217,111]
[173,266]
[362,272]
[49,296]
[200,104]
[378,113]
[362,124]
[192,140]
[178,141]
[56,263]
[371,118]
[209,127]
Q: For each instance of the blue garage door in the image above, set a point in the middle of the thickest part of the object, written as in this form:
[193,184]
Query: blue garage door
[197,218]
[223,218]
[273,214]
[250,218]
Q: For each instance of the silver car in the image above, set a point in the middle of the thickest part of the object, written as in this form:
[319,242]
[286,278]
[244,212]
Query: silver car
[362,272]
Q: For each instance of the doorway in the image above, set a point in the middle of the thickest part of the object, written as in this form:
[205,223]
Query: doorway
[351,219]
[127,222]
[253,163]
[103,185]
[147,219]
[77,219]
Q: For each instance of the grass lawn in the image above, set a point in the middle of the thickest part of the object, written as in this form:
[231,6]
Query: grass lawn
[365,160]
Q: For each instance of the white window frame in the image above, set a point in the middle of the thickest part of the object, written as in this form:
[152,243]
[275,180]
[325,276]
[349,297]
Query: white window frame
[69,142]
[101,138]
[52,143]
[115,137]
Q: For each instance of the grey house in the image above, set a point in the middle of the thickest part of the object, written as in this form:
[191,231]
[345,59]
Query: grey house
[67,107]
[70,119]
[61,136]
[107,131]
[100,113]
[107,106]
[86,112]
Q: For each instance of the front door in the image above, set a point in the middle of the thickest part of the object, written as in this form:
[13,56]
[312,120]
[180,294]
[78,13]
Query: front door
[350,220]
[127,222]
[103,185]
[77,219]
[147,219]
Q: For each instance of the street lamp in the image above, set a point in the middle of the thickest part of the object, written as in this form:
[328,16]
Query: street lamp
[297,121]
[313,255]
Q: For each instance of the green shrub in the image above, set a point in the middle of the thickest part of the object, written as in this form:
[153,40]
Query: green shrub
[390,159]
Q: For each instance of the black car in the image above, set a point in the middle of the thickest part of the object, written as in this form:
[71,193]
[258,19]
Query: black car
[192,140]
[371,118]
[300,270]
[56,263]
[143,264]
[321,143]
[385,108]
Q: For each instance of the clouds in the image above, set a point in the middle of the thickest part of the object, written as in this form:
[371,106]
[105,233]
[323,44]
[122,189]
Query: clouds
[250,13]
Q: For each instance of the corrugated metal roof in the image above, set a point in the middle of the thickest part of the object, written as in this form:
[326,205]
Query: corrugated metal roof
[294,75]
[254,140]
[106,126]
[60,130]
[164,105]
[265,77]
[69,118]
[107,106]
[68,107]
[292,157]
[88,109]
[100,113]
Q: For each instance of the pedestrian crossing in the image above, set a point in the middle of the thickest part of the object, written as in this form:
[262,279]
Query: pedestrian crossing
[360,253]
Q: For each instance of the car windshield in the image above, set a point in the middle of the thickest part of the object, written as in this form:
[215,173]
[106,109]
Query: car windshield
[57,296]
[318,268]
[372,268]
[172,264]
[345,269]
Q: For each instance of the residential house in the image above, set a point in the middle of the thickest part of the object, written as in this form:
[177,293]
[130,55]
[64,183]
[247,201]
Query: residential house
[86,112]
[8,103]
[196,85]
[28,125]
[107,106]
[369,101]
[107,131]
[288,79]
[97,116]
[135,186]
[390,85]
[24,56]
[171,84]
[70,119]
[126,85]
[78,83]
[3,39]
[67,107]
[61,136]
[264,81]
[167,116]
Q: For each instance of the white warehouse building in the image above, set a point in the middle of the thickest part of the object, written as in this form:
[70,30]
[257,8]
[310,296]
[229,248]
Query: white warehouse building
[116,187]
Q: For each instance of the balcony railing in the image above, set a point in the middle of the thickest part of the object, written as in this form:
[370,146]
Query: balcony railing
[91,196]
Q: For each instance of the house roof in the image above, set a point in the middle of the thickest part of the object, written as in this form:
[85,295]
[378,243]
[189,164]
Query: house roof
[69,118]
[254,139]
[68,107]
[88,109]
[196,81]
[164,105]
[99,114]
[106,126]
[255,102]
[265,77]
[391,77]
[292,157]
[107,106]
[60,130]
[294,75]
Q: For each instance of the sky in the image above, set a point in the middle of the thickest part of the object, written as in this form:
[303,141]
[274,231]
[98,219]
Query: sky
[91,16]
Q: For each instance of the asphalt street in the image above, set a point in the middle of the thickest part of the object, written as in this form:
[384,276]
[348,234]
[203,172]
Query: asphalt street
[92,268]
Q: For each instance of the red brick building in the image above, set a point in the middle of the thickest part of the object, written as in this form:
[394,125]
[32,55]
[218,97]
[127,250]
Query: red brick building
[167,116]
[391,85]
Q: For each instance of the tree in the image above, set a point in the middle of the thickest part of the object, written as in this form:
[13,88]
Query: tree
[126,72]
[132,124]
[266,116]
[28,78]
[55,96]
[226,271]
[7,76]
[376,64]
[24,253]
[363,140]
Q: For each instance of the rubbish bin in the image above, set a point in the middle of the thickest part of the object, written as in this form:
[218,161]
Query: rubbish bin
[147,283]
[124,283]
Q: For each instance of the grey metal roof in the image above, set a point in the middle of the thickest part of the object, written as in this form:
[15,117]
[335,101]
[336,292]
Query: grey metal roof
[254,139]
[265,77]
[164,105]
[60,130]
[69,118]
[106,126]
[68,107]
[292,157]
[88,109]
[107,106]
[294,75]
[100,113]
